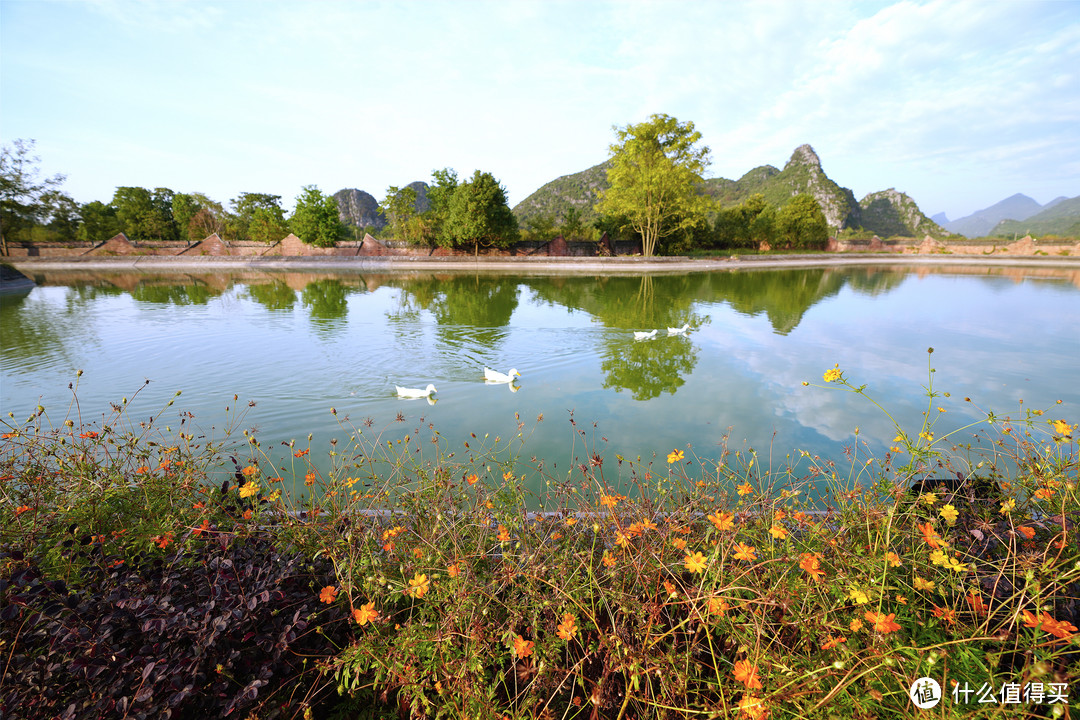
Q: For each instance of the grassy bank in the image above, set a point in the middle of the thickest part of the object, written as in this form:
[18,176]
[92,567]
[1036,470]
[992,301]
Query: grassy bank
[148,572]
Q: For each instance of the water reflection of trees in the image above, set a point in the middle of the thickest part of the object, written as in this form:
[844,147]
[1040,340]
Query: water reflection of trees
[477,307]
[276,295]
[326,300]
[169,294]
[645,368]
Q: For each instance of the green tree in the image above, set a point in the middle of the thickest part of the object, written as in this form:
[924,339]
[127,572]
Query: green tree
[62,213]
[257,216]
[316,219]
[145,214]
[440,194]
[655,179]
[801,224]
[399,207]
[21,191]
[479,214]
[99,222]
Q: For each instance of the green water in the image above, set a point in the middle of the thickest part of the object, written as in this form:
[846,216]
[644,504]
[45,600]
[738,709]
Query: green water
[298,345]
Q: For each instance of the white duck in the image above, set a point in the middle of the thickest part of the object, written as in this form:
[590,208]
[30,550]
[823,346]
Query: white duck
[644,335]
[415,392]
[678,331]
[493,376]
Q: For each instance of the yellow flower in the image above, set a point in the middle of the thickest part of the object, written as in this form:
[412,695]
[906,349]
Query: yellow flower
[833,375]
[1063,428]
[950,514]
[695,563]
[249,489]
[856,625]
[675,456]
[858,595]
[274,496]
[419,585]
[938,557]
[745,488]
[928,498]
[778,532]
[1007,506]
[922,584]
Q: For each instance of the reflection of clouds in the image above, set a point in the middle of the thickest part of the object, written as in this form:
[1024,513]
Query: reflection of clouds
[883,343]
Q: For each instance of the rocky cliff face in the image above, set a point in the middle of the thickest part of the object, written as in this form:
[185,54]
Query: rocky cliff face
[890,213]
[360,209]
[803,174]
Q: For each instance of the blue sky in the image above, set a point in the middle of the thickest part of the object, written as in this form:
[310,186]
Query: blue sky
[959,104]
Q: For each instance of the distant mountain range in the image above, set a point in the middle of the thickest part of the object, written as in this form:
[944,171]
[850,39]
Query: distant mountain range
[886,213]
[985,222]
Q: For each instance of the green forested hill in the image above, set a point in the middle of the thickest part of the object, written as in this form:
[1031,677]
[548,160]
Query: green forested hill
[556,198]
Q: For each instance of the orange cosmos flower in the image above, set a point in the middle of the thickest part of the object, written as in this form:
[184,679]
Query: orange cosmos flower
[695,563]
[453,570]
[1028,532]
[609,560]
[89,435]
[504,534]
[778,532]
[945,614]
[745,552]
[301,453]
[21,509]
[882,623]
[621,539]
[249,471]
[522,647]
[365,614]
[810,563]
[328,594]
[754,707]
[611,500]
[723,521]
[833,641]
[931,536]
[745,488]
[893,559]
[717,606]
[746,673]
[976,603]
[567,627]
[472,479]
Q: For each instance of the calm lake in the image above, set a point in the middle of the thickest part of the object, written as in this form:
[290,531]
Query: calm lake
[297,345]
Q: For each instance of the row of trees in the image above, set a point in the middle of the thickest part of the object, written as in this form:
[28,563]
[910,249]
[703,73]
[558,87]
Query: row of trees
[473,213]
[655,191]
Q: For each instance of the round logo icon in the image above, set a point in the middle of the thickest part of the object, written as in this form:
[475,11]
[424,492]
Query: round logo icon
[925,693]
